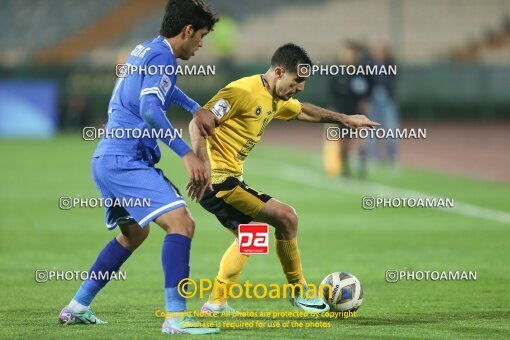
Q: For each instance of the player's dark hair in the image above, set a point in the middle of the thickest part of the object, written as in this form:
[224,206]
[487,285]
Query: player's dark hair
[289,56]
[180,13]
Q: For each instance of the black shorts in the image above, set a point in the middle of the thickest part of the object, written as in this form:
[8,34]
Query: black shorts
[233,202]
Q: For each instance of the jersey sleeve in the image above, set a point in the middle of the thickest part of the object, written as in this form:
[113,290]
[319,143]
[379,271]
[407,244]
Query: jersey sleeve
[155,118]
[157,83]
[227,102]
[290,110]
[180,98]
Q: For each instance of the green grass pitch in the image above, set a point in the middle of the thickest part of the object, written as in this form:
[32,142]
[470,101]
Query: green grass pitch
[336,234]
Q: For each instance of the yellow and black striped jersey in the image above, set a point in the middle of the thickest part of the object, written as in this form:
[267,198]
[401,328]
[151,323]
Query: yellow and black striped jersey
[245,108]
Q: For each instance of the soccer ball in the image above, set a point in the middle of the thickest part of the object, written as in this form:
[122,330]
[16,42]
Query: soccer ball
[346,294]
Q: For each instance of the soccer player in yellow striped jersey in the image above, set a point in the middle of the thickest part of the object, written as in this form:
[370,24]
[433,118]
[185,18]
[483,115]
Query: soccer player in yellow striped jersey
[245,107]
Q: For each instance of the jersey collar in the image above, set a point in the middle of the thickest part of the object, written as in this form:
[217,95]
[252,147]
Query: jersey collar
[167,44]
[262,83]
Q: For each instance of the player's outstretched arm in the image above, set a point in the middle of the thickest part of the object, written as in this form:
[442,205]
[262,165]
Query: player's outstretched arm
[315,114]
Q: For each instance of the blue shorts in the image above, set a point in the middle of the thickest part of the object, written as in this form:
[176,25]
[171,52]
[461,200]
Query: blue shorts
[131,180]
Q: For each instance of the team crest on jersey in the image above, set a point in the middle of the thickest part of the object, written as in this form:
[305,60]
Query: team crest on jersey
[221,108]
[165,84]
[258,110]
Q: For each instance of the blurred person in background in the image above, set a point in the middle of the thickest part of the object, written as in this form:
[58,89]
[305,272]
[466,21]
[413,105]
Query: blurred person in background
[224,40]
[75,112]
[351,94]
[384,106]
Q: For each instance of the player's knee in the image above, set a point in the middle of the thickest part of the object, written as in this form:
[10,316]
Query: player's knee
[132,239]
[137,239]
[185,226]
[188,228]
[178,221]
[289,219]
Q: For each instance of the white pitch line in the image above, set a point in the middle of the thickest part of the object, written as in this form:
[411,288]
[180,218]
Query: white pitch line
[304,176]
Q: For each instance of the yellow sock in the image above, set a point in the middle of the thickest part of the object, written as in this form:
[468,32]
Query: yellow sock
[230,267]
[288,253]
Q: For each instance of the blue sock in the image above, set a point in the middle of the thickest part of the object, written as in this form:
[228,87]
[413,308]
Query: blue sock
[109,260]
[175,260]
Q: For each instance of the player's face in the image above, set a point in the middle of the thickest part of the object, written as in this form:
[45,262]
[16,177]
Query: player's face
[288,84]
[193,42]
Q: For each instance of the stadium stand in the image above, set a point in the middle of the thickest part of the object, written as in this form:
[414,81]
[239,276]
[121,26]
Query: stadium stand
[95,31]
[28,26]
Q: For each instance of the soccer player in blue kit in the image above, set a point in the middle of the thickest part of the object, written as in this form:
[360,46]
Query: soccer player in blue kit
[124,169]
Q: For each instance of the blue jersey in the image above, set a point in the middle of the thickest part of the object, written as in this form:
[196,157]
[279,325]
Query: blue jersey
[150,68]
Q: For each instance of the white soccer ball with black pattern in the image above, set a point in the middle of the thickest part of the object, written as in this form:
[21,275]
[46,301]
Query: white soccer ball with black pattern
[346,292]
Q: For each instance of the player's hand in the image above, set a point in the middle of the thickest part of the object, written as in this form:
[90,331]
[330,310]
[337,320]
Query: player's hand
[359,121]
[199,177]
[206,122]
